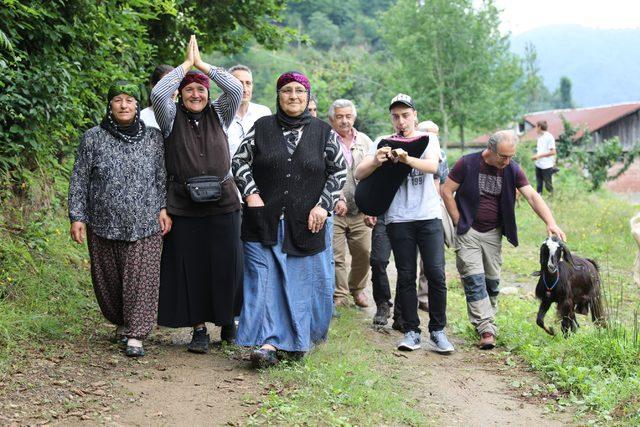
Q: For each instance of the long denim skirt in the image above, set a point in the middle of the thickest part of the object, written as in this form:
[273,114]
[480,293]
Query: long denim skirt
[288,300]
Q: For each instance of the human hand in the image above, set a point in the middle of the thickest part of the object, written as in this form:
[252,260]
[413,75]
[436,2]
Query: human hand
[554,229]
[341,208]
[189,59]
[382,155]
[197,59]
[78,231]
[370,221]
[165,221]
[399,155]
[254,200]
[534,157]
[317,217]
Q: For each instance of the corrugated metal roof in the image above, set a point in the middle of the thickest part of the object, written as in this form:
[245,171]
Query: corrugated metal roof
[592,118]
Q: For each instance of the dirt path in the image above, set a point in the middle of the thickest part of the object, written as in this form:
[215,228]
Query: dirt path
[92,383]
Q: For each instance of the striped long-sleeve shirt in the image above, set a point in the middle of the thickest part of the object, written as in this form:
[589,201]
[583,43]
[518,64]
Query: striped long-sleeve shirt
[336,172]
[225,106]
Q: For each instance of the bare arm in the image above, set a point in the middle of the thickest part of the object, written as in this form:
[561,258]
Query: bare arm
[447,189]
[542,210]
[549,153]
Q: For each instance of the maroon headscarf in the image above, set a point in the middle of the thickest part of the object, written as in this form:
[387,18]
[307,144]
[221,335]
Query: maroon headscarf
[194,76]
[284,119]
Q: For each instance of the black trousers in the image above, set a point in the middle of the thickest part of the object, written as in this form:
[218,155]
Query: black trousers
[379,260]
[544,176]
[406,239]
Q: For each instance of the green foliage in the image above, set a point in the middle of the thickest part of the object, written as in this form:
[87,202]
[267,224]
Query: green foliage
[324,32]
[59,57]
[45,291]
[565,99]
[532,93]
[455,62]
[566,140]
[598,158]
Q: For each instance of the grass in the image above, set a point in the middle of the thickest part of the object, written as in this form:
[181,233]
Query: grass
[599,369]
[347,381]
[45,292]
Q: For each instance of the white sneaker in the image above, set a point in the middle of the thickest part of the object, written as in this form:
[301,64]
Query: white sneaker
[439,343]
[410,342]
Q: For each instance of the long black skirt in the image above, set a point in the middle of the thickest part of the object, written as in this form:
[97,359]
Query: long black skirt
[201,271]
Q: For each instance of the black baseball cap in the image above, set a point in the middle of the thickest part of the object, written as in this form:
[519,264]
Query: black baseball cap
[401,98]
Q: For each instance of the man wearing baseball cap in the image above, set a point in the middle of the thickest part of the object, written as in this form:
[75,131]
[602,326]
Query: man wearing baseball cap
[414,222]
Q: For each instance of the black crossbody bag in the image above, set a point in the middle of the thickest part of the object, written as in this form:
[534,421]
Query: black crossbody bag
[206,188]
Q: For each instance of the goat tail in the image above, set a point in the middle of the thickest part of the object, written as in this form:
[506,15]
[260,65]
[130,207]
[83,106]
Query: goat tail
[595,264]
[598,314]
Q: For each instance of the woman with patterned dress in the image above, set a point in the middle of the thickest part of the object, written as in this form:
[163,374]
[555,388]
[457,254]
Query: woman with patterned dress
[201,270]
[290,171]
[117,196]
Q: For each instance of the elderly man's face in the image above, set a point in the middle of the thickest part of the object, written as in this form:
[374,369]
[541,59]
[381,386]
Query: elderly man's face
[123,108]
[343,120]
[247,84]
[313,108]
[195,97]
[505,150]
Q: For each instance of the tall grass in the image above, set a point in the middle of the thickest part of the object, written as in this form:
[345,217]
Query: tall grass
[45,291]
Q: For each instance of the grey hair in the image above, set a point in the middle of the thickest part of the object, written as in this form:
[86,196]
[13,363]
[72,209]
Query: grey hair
[342,103]
[499,137]
[240,67]
[313,98]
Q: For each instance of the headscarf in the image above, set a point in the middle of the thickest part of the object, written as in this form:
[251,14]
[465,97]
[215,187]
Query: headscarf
[194,76]
[284,119]
[133,132]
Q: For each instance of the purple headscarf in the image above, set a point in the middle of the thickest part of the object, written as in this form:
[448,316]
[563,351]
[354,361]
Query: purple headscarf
[284,119]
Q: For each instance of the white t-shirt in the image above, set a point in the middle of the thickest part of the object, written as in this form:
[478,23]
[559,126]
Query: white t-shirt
[240,127]
[546,143]
[149,118]
[417,198]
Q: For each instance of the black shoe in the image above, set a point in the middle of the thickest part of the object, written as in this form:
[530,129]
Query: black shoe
[263,358]
[228,333]
[383,312]
[398,324]
[199,341]
[132,351]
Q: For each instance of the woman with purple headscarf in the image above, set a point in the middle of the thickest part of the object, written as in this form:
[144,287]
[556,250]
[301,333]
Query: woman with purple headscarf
[289,170]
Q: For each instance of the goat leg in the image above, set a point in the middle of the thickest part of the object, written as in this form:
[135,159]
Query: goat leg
[542,311]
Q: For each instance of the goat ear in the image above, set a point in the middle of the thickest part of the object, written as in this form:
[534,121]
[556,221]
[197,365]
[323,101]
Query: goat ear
[544,253]
[566,254]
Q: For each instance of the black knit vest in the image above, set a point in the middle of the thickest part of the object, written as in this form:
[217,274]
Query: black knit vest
[468,197]
[289,184]
[191,151]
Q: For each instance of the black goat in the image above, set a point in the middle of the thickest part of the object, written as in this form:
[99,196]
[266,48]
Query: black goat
[573,283]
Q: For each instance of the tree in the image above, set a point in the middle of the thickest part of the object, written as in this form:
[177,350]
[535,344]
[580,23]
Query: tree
[566,140]
[57,60]
[563,94]
[456,64]
[598,159]
[532,93]
[324,33]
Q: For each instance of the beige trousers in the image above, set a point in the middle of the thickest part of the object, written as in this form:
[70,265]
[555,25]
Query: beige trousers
[350,231]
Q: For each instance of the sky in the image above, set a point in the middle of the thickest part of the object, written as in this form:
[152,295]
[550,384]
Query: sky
[519,16]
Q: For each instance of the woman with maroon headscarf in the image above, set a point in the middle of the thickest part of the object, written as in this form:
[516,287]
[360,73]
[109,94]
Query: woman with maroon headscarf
[201,269]
[290,171]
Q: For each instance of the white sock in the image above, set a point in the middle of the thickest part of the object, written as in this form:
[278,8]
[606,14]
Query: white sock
[132,342]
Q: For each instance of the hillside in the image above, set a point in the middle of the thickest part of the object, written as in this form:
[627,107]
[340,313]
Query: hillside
[602,64]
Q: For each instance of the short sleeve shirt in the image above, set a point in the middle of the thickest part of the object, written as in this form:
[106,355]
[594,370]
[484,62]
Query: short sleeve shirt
[490,181]
[546,143]
[417,198]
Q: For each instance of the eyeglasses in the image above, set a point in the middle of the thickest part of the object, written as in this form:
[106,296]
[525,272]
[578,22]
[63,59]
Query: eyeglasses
[289,91]
[503,157]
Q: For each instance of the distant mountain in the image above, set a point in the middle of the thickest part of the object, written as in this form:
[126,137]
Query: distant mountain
[603,65]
